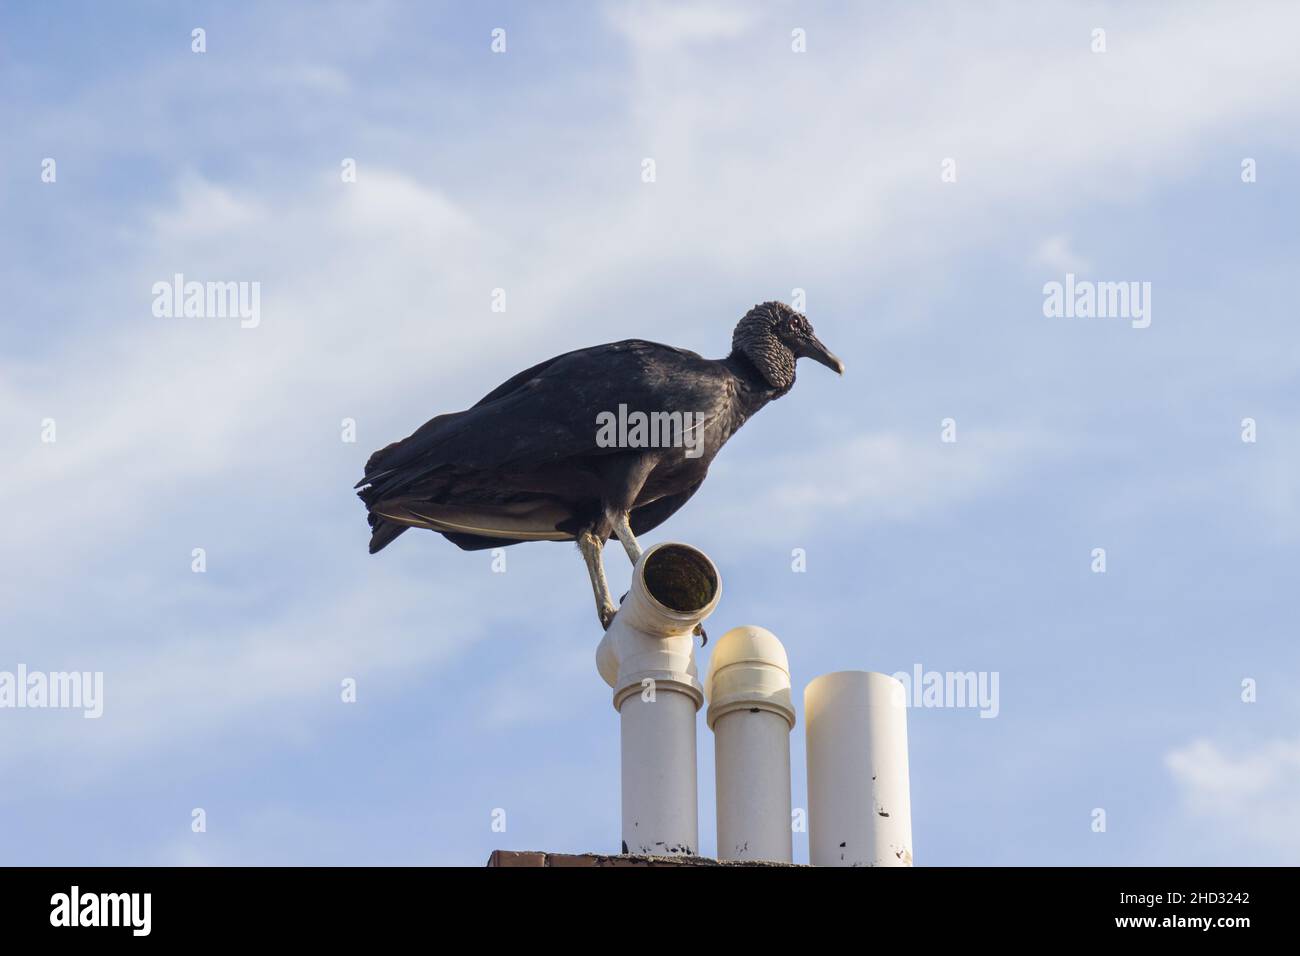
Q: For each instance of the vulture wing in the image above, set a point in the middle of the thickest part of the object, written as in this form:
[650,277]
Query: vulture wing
[546,415]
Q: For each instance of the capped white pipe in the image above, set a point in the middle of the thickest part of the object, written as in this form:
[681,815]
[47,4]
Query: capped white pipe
[648,657]
[751,715]
[859,798]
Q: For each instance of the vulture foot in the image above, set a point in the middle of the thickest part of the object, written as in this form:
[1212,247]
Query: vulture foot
[606,612]
[590,546]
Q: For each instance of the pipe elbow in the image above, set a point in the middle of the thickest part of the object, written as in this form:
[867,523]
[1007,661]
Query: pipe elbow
[674,588]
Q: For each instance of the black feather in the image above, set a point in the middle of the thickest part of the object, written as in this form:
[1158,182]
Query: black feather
[523,463]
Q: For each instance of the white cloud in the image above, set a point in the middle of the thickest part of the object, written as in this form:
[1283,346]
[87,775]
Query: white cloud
[190,688]
[889,476]
[315,77]
[204,208]
[1249,793]
[1056,254]
[667,25]
[836,152]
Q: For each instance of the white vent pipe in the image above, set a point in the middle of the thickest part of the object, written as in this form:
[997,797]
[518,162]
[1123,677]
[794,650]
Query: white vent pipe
[751,715]
[859,802]
[648,657]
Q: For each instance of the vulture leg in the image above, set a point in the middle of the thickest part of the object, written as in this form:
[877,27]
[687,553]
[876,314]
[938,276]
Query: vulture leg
[590,546]
[623,529]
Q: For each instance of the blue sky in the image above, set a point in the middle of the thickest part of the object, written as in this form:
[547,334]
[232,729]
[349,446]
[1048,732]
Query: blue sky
[775,171]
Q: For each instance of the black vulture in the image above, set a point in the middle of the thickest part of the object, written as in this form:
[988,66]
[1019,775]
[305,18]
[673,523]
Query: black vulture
[606,440]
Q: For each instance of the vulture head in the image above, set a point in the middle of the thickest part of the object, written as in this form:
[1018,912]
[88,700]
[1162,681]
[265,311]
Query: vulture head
[774,336]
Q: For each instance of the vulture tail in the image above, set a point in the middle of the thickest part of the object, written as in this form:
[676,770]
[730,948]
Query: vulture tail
[383,532]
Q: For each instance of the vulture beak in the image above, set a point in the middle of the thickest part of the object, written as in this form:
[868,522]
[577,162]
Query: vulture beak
[813,349]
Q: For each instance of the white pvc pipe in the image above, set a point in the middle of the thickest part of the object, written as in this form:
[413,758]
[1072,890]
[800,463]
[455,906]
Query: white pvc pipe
[660,789]
[859,802]
[751,715]
[648,657]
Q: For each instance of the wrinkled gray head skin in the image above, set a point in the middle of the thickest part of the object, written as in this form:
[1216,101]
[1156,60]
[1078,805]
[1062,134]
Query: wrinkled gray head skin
[774,336]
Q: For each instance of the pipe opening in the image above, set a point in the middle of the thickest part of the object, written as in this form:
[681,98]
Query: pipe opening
[680,578]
